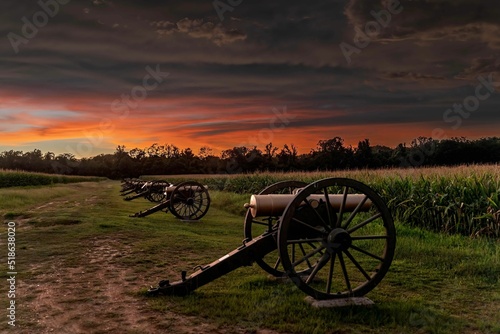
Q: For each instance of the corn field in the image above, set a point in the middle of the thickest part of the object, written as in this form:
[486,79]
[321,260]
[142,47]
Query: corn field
[455,200]
[451,204]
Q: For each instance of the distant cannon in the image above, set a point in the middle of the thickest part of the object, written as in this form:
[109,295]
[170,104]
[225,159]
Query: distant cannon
[334,238]
[153,191]
[187,200]
[130,186]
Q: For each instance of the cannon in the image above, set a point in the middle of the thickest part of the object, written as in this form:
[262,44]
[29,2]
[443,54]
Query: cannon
[130,186]
[334,238]
[153,191]
[187,201]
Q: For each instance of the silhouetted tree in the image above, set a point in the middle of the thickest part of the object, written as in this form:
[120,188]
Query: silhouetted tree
[287,158]
[330,154]
[363,155]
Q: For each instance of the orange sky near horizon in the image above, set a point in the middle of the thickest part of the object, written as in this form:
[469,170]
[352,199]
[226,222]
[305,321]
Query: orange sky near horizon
[72,125]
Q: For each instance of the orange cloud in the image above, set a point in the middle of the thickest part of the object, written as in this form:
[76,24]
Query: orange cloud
[90,126]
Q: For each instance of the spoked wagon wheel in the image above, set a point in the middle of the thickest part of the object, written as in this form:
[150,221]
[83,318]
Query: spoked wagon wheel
[157,191]
[341,231]
[189,201]
[256,226]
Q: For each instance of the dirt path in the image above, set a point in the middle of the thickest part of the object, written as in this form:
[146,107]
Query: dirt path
[98,297]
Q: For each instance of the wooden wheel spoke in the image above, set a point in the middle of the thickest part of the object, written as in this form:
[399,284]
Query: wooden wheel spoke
[307,256]
[277,263]
[197,207]
[310,243]
[369,237]
[330,274]
[344,270]
[355,212]
[367,253]
[181,194]
[329,209]
[194,209]
[178,208]
[197,199]
[323,223]
[307,241]
[308,226]
[321,262]
[304,253]
[356,263]
[366,222]
[342,206]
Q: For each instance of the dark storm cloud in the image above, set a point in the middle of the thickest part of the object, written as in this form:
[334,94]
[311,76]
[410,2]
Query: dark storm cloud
[428,39]
[482,66]
[97,39]
[262,54]
[413,76]
[431,20]
[197,28]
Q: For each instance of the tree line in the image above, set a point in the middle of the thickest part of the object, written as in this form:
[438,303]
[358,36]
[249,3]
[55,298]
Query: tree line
[330,154]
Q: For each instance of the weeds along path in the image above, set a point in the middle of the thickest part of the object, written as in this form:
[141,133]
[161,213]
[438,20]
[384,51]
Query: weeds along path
[88,287]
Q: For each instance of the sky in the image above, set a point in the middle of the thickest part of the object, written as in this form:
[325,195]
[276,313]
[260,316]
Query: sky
[83,77]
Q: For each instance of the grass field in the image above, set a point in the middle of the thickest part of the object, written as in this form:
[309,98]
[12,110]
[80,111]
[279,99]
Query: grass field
[14,178]
[84,266]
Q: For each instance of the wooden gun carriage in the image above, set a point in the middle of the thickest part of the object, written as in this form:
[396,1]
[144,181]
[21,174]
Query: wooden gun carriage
[187,200]
[334,238]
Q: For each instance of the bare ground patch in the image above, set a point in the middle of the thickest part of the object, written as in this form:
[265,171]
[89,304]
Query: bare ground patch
[99,296]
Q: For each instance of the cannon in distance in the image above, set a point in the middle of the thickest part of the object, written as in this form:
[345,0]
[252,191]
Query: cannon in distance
[187,200]
[334,238]
[153,191]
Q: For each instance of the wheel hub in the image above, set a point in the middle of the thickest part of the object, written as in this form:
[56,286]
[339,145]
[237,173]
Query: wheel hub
[190,201]
[339,239]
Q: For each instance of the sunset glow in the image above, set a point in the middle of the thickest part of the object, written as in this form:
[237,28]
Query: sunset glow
[100,74]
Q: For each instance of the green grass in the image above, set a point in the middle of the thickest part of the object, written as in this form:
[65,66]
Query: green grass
[12,178]
[437,283]
[431,280]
